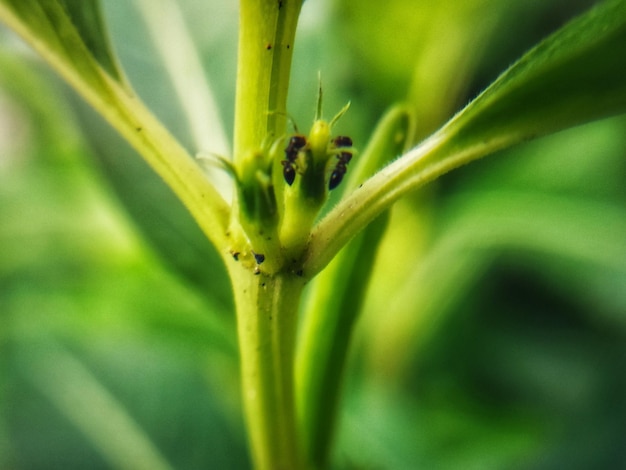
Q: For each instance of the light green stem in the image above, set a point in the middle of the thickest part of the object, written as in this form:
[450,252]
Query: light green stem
[267,304]
[266,34]
[266,322]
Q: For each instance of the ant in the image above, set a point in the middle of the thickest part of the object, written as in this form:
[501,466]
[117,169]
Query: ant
[295,145]
[343,158]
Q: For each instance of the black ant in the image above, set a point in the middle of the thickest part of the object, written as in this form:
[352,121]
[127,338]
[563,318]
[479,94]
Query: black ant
[343,158]
[296,143]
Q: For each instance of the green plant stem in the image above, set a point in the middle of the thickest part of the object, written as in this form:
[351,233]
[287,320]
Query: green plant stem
[266,34]
[266,304]
[266,322]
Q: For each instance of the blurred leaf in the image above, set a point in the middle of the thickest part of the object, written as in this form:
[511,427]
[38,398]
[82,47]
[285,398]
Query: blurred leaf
[516,306]
[402,431]
[92,408]
[584,162]
[72,272]
[159,214]
[556,201]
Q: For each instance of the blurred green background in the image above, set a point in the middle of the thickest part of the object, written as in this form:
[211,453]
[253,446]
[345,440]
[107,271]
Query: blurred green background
[494,330]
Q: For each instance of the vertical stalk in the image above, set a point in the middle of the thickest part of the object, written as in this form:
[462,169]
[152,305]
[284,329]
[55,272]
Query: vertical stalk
[266,323]
[266,303]
[266,34]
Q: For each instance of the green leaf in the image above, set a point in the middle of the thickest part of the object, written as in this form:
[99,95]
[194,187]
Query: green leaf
[575,76]
[87,19]
[68,33]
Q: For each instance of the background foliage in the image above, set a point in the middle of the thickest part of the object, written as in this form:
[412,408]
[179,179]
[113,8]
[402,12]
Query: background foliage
[493,332]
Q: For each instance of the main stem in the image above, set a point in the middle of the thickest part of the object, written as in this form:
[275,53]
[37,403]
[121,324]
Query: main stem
[266,323]
[267,303]
[267,29]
